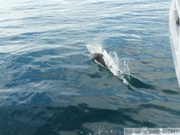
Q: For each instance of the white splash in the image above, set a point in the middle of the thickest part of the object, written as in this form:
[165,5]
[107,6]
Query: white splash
[112,61]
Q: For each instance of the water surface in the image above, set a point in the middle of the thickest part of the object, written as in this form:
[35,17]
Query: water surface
[50,86]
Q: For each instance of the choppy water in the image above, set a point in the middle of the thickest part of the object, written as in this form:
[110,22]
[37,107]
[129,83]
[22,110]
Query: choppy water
[50,86]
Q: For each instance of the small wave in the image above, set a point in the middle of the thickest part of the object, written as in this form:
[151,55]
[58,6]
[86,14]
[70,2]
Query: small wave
[118,68]
[135,83]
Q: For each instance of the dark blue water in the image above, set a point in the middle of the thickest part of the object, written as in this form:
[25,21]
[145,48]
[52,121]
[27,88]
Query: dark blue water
[50,86]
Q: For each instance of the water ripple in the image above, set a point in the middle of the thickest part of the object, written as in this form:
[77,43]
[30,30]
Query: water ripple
[49,85]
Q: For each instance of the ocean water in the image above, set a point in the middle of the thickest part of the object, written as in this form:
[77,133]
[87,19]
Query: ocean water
[50,86]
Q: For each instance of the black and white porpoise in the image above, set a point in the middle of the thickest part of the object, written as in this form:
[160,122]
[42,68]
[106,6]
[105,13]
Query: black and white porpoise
[99,58]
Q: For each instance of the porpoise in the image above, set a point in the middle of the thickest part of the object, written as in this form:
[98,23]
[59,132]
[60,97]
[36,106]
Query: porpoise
[99,58]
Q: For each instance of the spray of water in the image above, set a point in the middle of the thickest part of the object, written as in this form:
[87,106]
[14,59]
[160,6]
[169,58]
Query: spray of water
[118,68]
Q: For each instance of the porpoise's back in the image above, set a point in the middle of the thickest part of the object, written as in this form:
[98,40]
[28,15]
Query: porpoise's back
[98,57]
